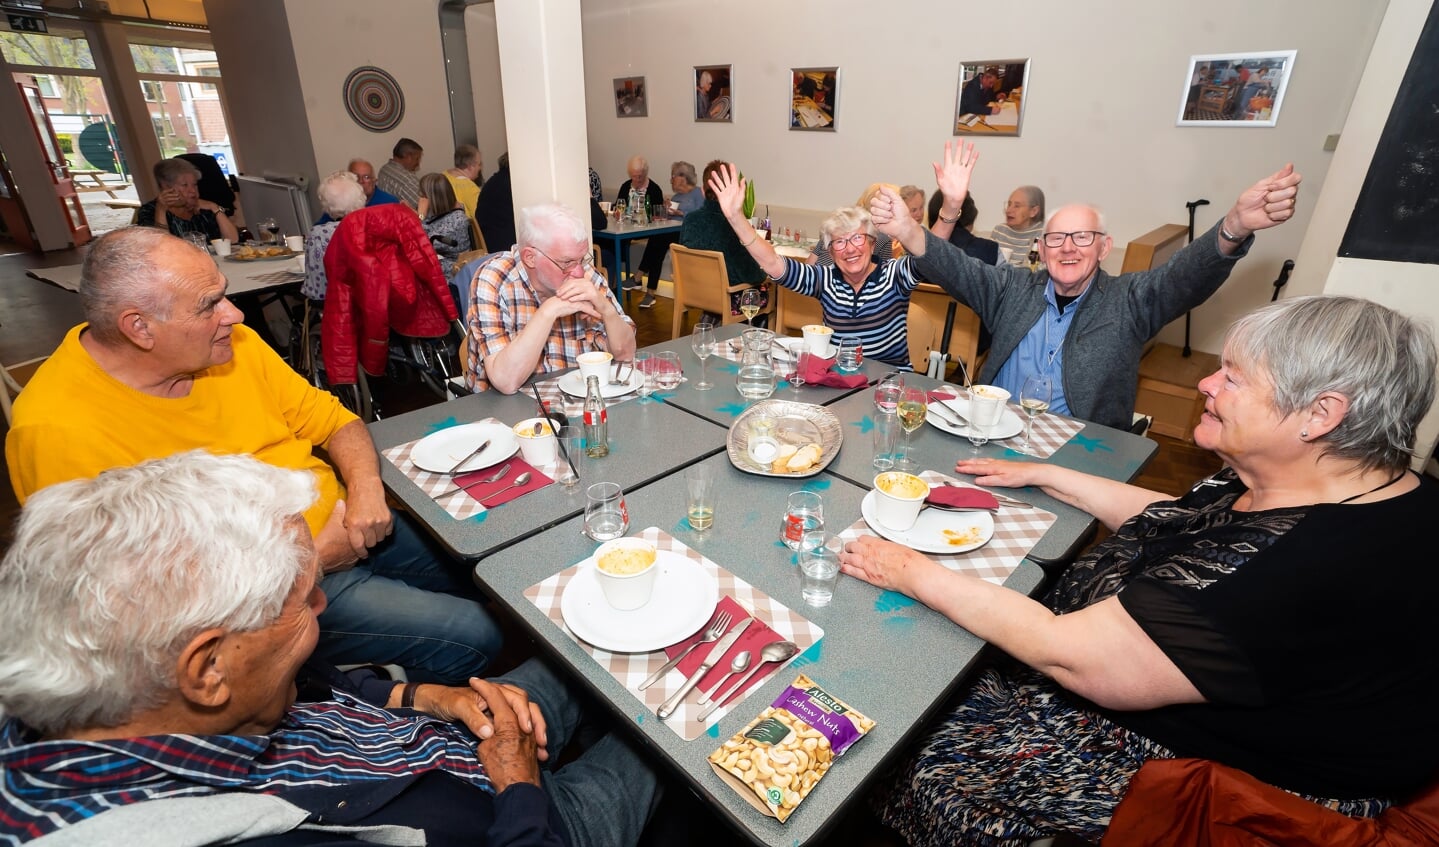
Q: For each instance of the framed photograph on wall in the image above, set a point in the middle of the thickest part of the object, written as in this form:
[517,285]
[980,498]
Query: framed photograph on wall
[714,94]
[630,97]
[990,100]
[814,99]
[1235,89]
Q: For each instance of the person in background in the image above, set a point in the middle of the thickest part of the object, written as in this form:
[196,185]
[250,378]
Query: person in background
[1023,224]
[535,308]
[400,175]
[861,298]
[653,260]
[959,231]
[597,191]
[464,176]
[179,209]
[365,174]
[702,95]
[1214,625]
[1049,322]
[495,212]
[203,586]
[706,229]
[340,194]
[445,221]
[685,193]
[978,93]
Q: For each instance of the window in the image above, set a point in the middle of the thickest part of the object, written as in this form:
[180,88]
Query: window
[154,91]
[47,85]
[193,127]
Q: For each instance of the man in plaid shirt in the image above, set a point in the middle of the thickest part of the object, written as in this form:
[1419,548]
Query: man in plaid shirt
[536,308]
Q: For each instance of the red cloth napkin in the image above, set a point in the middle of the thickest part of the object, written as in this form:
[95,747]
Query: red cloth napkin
[940,394]
[962,498]
[470,482]
[754,639]
[816,372]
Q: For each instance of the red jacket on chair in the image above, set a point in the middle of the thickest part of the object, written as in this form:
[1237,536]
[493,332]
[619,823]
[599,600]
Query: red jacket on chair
[384,276]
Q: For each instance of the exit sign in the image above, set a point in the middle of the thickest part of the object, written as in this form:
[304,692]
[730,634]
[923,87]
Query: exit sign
[26,23]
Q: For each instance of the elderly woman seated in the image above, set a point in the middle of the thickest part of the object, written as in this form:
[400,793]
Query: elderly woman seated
[154,622]
[340,194]
[445,221]
[1275,619]
[861,298]
[179,208]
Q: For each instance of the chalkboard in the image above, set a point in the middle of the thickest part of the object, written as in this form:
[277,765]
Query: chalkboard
[1396,217]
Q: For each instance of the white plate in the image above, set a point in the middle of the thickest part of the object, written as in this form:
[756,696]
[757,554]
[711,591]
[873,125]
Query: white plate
[1009,423]
[797,346]
[685,596]
[928,535]
[439,451]
[573,383]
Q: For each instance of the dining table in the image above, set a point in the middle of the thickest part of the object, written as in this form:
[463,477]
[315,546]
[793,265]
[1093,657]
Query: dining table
[619,234]
[259,276]
[894,660]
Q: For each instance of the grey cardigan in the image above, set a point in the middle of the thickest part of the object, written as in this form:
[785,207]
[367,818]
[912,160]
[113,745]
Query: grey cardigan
[1111,326]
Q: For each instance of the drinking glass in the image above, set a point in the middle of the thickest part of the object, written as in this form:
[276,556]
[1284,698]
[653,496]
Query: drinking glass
[818,570]
[667,371]
[1034,400]
[801,361]
[803,517]
[269,228]
[886,427]
[851,355]
[572,441]
[913,406]
[606,517]
[886,393]
[750,302]
[985,413]
[703,343]
[700,499]
[644,366]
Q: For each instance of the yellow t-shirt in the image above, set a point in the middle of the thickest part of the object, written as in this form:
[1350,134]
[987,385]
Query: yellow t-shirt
[73,420]
[466,191]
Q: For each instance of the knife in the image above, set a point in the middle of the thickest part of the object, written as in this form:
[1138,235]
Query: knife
[715,654]
[473,453]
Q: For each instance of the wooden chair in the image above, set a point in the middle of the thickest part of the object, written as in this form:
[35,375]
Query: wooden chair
[928,308]
[702,282]
[599,262]
[477,240]
[794,311]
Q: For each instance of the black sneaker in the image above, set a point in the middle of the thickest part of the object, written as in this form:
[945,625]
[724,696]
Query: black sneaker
[648,302]
[634,283]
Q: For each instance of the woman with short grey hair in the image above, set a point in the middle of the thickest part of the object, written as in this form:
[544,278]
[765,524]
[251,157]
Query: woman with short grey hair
[179,209]
[340,194]
[1276,619]
[685,193]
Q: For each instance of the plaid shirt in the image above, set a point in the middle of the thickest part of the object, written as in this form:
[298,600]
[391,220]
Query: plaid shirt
[47,785]
[502,303]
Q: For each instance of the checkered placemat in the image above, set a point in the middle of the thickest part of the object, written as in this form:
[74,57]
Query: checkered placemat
[1050,431]
[631,669]
[459,504]
[1016,531]
[572,406]
[279,277]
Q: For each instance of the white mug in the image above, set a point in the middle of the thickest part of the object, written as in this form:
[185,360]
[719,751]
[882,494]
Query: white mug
[296,243]
[221,246]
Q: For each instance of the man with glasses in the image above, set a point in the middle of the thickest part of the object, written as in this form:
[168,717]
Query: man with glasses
[364,174]
[1072,321]
[537,307]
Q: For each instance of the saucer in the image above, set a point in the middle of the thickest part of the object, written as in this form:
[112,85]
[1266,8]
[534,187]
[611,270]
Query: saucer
[684,597]
[936,531]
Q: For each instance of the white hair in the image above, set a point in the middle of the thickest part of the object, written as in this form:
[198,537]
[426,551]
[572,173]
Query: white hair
[109,578]
[847,219]
[545,225]
[340,194]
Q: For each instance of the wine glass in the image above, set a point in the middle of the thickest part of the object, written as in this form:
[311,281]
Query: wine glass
[913,406]
[1034,400]
[801,359]
[703,343]
[269,228]
[644,366]
[750,301]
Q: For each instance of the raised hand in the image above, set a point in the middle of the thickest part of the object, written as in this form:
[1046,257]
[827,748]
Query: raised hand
[952,173]
[892,218]
[1268,202]
[729,187]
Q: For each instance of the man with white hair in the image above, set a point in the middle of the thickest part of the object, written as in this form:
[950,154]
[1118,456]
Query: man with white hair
[155,627]
[537,307]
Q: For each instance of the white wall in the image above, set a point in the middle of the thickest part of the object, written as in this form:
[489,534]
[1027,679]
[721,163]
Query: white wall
[480,33]
[1105,85]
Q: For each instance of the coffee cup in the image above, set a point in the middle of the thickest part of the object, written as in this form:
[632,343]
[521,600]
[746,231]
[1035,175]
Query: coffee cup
[626,570]
[595,363]
[296,243]
[605,206]
[817,337]
[986,406]
[537,448]
[898,499]
[221,246]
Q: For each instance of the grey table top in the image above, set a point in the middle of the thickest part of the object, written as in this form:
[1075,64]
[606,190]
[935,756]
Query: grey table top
[647,440]
[1098,450]
[891,658]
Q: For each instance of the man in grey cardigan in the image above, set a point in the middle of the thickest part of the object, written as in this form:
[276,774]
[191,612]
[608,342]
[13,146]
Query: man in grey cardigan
[1076,323]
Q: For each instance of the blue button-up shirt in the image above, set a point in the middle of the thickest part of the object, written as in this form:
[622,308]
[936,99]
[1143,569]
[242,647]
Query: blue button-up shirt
[1041,351]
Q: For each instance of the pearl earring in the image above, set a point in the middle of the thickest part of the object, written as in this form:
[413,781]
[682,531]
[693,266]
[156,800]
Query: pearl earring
[1303,433]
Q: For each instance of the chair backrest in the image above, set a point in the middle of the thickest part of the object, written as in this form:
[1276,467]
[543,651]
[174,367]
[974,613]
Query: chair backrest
[477,239]
[701,282]
[795,310]
[928,308]
[600,262]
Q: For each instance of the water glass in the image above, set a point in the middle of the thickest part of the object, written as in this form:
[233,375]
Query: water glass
[644,366]
[700,497]
[803,516]
[818,570]
[667,371]
[886,438]
[572,440]
[887,392]
[606,516]
[986,407]
[851,355]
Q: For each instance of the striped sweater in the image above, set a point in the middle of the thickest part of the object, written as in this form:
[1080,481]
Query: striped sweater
[877,314]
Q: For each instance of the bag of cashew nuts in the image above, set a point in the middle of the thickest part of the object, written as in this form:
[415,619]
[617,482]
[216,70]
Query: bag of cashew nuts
[778,759]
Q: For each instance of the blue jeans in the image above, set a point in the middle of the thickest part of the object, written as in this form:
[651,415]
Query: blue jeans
[409,604]
[607,795]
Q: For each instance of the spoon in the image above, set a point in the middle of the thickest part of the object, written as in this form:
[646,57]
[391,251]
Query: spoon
[736,665]
[487,480]
[519,480]
[775,651]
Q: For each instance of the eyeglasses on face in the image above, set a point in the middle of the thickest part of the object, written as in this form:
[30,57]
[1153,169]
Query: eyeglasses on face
[1082,238]
[859,239]
[568,267]
[365,177]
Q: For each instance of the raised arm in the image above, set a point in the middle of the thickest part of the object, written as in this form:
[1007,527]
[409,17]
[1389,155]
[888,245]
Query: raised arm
[1111,502]
[952,175]
[1268,202]
[892,218]
[729,193]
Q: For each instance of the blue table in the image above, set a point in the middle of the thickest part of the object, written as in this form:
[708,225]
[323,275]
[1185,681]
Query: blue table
[620,234]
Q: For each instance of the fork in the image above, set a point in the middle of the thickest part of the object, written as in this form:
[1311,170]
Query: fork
[721,623]
[494,477]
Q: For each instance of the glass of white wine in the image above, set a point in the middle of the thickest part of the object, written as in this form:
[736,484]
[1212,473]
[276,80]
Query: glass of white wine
[913,406]
[703,343]
[750,302]
[1034,400]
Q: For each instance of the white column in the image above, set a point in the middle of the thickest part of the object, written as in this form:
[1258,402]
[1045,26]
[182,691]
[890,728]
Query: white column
[543,79]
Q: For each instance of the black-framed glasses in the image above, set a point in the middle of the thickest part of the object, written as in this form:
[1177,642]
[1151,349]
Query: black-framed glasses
[1082,238]
[859,239]
[566,268]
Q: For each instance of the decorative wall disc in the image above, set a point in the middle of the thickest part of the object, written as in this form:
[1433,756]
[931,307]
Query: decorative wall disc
[374,99]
